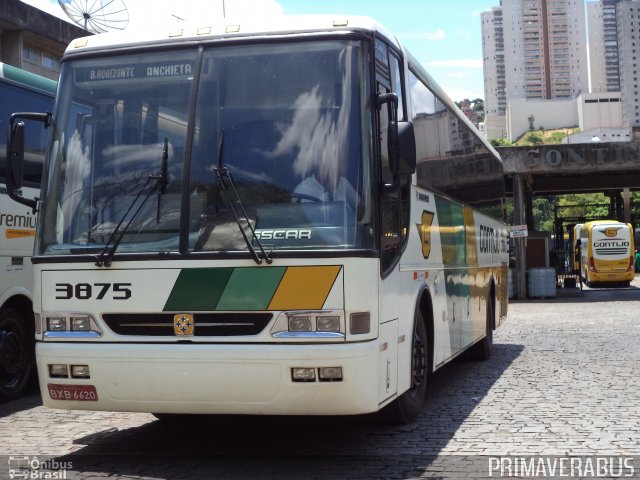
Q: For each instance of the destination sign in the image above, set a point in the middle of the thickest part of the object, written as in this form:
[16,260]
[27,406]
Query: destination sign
[139,70]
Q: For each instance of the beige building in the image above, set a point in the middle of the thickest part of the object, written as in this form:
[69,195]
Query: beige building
[32,39]
[600,111]
[544,54]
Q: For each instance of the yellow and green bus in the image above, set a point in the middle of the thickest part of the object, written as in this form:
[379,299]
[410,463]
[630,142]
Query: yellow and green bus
[285,217]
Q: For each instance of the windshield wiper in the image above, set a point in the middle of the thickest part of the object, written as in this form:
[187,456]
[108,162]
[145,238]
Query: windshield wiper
[164,175]
[105,256]
[237,206]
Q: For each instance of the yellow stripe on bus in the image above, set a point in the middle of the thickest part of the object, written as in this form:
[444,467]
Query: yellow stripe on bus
[304,288]
[15,233]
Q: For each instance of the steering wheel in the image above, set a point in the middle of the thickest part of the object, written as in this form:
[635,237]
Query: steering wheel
[304,196]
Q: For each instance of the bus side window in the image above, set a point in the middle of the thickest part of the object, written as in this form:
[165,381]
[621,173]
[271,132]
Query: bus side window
[394,207]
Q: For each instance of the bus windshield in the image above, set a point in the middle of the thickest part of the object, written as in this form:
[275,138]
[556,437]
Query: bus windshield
[144,141]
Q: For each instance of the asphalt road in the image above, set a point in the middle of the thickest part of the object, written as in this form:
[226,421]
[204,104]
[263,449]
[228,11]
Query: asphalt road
[564,380]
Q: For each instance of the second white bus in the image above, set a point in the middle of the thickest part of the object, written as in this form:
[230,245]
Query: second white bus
[19,91]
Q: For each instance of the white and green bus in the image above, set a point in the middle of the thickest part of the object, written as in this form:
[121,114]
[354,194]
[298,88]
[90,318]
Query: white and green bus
[260,218]
[19,91]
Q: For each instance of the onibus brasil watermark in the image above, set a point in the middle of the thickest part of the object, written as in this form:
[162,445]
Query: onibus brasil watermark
[37,468]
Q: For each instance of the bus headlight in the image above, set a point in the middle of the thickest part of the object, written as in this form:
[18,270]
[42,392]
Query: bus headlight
[309,325]
[79,325]
[300,324]
[56,324]
[328,323]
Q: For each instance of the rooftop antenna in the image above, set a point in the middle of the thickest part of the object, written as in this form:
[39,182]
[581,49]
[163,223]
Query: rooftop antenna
[97,16]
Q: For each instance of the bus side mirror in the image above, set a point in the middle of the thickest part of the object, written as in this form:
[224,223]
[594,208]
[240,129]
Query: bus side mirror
[403,157]
[402,140]
[15,156]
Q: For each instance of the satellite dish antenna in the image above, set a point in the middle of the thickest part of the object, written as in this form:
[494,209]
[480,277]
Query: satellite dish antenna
[97,16]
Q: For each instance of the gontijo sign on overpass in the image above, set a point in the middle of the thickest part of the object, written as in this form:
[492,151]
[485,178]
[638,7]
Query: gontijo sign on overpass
[578,158]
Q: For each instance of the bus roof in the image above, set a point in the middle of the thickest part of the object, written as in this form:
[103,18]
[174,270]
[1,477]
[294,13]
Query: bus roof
[603,222]
[229,28]
[17,75]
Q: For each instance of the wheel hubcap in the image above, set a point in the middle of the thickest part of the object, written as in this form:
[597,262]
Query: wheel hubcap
[11,354]
[418,364]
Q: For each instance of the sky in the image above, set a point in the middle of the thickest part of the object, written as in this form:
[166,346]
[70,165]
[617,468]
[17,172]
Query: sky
[444,36]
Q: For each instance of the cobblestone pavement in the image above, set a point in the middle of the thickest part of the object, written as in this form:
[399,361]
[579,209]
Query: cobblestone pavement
[564,380]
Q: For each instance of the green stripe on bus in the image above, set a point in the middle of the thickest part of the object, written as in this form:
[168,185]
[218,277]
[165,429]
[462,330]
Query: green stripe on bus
[21,76]
[198,289]
[250,288]
[452,234]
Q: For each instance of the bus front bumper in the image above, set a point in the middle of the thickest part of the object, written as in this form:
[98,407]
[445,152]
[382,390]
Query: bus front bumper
[210,378]
[609,277]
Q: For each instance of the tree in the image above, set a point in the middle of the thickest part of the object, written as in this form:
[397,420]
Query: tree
[500,142]
[534,138]
[478,105]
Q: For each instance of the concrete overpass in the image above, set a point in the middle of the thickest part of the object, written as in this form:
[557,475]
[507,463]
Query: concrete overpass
[566,168]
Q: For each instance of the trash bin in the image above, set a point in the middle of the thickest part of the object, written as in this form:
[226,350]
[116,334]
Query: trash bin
[541,282]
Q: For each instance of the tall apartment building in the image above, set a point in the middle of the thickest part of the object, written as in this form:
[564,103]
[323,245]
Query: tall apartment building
[544,54]
[495,93]
[614,53]
[628,14]
[602,18]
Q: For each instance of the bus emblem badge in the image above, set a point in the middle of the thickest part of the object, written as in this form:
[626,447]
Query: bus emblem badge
[183,324]
[424,229]
[611,231]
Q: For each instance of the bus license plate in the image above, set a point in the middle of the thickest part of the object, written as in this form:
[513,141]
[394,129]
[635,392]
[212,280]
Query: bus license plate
[83,393]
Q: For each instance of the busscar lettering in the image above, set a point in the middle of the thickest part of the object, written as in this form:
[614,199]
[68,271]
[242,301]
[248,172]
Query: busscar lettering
[292,234]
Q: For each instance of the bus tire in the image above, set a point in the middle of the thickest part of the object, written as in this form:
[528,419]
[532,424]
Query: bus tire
[16,354]
[406,408]
[482,350]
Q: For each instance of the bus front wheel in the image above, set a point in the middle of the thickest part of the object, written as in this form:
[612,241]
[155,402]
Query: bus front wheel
[407,407]
[16,354]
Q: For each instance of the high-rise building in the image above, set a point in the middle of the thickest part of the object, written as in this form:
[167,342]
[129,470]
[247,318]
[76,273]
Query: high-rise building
[628,16]
[614,46]
[495,94]
[603,46]
[544,57]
